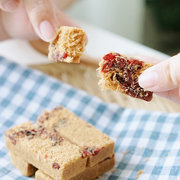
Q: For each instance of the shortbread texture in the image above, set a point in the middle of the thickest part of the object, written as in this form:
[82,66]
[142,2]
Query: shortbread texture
[120,73]
[25,168]
[68,46]
[96,145]
[88,174]
[45,150]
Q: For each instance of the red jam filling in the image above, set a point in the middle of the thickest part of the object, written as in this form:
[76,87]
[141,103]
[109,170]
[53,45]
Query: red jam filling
[43,117]
[90,151]
[55,166]
[37,132]
[125,73]
[59,57]
[47,115]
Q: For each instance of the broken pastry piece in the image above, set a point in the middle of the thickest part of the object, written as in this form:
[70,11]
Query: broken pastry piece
[120,73]
[45,150]
[95,145]
[25,168]
[68,45]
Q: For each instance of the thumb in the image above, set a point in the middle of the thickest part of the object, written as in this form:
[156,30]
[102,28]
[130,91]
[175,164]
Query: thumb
[163,76]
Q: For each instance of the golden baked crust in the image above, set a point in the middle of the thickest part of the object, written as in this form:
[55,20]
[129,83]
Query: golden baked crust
[68,45]
[95,144]
[120,73]
[45,150]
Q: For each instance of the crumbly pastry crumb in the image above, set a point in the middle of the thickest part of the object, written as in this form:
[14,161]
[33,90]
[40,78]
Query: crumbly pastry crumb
[126,152]
[120,73]
[68,46]
[112,170]
[139,173]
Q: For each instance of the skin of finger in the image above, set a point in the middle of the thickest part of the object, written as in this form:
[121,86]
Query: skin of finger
[18,25]
[63,4]
[64,20]
[172,95]
[9,5]
[39,11]
[3,1]
[168,74]
[148,59]
[3,34]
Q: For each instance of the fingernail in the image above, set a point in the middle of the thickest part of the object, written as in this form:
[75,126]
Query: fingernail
[10,5]
[47,31]
[148,80]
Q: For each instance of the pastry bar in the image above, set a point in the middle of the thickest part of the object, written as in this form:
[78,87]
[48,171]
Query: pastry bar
[68,45]
[120,73]
[87,174]
[25,168]
[45,150]
[96,145]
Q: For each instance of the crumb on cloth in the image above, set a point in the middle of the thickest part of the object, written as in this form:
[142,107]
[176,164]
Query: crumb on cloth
[139,173]
[112,170]
[126,152]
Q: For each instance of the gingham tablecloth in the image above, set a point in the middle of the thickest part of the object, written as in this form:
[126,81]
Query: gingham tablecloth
[148,141]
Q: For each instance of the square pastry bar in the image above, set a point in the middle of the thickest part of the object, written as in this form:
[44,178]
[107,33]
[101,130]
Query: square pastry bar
[96,145]
[45,150]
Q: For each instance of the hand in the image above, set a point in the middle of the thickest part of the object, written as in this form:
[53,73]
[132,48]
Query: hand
[31,19]
[163,79]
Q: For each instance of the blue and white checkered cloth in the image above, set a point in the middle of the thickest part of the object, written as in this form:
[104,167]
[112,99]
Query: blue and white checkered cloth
[151,139]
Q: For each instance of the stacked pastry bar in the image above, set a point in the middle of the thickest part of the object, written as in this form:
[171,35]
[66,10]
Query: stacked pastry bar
[61,146]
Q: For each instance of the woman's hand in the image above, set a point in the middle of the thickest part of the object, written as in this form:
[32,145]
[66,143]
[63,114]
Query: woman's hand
[163,79]
[31,19]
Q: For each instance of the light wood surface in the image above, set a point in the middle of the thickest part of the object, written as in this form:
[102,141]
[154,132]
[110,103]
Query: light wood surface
[85,77]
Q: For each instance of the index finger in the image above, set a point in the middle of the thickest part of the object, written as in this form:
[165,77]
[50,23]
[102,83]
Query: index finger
[45,18]
[9,5]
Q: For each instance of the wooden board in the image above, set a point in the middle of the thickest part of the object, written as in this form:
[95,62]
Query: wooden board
[85,77]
